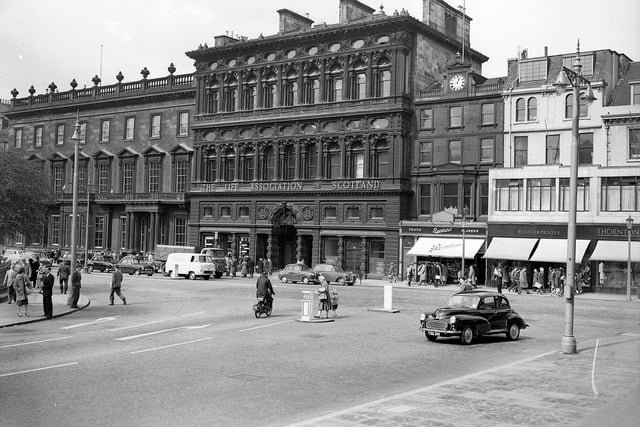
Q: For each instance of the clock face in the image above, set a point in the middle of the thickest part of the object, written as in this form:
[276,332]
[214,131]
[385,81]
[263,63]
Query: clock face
[457,82]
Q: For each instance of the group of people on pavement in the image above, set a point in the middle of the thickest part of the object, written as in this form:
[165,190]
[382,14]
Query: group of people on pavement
[517,278]
[246,266]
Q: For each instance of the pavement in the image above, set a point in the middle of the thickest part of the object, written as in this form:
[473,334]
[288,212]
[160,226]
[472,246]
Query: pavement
[597,386]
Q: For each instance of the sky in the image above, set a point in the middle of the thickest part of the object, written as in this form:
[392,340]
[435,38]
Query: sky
[44,41]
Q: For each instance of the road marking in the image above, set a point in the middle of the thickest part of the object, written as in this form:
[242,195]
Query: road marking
[193,314]
[171,345]
[100,320]
[593,369]
[265,326]
[183,328]
[36,342]
[153,322]
[38,369]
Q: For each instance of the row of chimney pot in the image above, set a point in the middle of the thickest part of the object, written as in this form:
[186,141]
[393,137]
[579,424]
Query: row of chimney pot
[96,81]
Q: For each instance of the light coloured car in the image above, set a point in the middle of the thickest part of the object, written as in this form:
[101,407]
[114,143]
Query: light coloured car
[335,273]
[297,273]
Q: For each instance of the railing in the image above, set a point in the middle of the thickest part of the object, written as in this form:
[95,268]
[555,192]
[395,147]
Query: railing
[152,197]
[477,89]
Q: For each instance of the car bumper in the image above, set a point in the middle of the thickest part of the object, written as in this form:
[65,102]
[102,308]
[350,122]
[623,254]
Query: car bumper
[436,328]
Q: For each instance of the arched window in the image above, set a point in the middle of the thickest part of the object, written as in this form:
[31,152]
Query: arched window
[356,161]
[383,78]
[269,90]
[228,165]
[532,109]
[212,96]
[332,168]
[334,84]
[290,89]
[309,162]
[210,164]
[249,93]
[288,166]
[312,86]
[230,94]
[521,113]
[380,159]
[268,162]
[568,109]
[359,81]
[247,164]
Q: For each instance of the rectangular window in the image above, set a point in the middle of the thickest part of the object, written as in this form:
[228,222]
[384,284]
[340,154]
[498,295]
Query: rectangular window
[508,194]
[425,199]
[105,128]
[487,150]
[225,211]
[182,171]
[18,140]
[82,177]
[60,135]
[426,118]
[154,177]
[520,151]
[123,232]
[585,60]
[104,178]
[37,136]
[635,94]
[58,179]
[450,196]
[183,125]
[426,153]
[330,212]
[129,128]
[634,144]
[585,149]
[55,230]
[620,194]
[155,126]
[541,194]
[455,152]
[353,212]
[552,150]
[535,69]
[488,114]
[207,211]
[484,198]
[181,231]
[99,231]
[582,195]
[83,133]
[377,213]
[243,212]
[127,177]
[455,117]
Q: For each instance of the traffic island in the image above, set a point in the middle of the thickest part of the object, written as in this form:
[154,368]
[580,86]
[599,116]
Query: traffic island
[307,310]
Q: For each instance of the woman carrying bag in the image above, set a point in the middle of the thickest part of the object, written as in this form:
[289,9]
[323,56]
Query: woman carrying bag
[22,287]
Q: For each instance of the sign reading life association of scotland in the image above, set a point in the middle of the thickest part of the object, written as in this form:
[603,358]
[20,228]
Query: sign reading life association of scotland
[346,185]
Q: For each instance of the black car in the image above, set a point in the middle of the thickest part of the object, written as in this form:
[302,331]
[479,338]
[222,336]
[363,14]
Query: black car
[135,265]
[102,263]
[471,314]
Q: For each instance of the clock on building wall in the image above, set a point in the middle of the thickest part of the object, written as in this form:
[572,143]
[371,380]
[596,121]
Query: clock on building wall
[457,82]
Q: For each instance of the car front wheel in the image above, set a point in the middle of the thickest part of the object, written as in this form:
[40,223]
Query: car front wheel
[513,331]
[341,281]
[283,279]
[467,335]
[305,280]
[192,275]
[430,337]
[136,272]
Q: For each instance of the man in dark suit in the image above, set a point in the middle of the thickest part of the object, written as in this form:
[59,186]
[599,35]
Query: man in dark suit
[47,291]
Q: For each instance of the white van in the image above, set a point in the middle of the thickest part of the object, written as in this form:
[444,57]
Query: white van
[189,266]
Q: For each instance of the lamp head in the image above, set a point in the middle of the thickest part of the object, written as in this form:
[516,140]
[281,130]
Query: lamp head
[562,82]
[76,132]
[629,223]
[589,97]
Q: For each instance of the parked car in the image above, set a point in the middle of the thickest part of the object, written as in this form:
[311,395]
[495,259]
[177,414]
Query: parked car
[135,265]
[471,314]
[335,273]
[42,257]
[102,263]
[297,273]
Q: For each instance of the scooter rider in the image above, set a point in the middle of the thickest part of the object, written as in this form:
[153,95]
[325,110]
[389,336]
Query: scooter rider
[264,289]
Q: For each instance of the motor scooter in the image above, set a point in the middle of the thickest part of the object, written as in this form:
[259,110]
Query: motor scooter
[261,307]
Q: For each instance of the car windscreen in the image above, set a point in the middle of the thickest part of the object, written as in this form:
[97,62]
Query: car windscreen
[464,301]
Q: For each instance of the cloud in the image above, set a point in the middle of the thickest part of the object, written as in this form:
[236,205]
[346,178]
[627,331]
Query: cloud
[113,27]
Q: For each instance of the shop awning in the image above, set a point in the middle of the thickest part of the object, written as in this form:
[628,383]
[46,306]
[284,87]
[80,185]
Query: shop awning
[555,250]
[608,250]
[509,248]
[446,247]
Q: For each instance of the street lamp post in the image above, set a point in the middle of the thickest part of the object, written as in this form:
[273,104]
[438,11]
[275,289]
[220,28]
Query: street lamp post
[464,223]
[629,231]
[86,232]
[74,203]
[574,78]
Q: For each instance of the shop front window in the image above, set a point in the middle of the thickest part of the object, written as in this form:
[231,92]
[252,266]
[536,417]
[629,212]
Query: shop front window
[376,256]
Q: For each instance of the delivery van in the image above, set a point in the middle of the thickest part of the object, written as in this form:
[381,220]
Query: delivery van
[189,265]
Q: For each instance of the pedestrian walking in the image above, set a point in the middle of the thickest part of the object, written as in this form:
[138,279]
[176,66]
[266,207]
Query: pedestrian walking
[505,276]
[47,292]
[497,277]
[269,266]
[234,265]
[260,266]
[250,267]
[63,275]
[411,271]
[9,277]
[393,273]
[422,273]
[473,280]
[324,299]
[22,288]
[116,285]
[33,273]
[524,279]
[243,266]
[76,284]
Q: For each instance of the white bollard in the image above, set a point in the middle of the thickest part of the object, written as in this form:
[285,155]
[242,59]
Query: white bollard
[388,297]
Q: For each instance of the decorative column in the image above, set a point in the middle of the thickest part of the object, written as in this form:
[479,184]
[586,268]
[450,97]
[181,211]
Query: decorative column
[269,243]
[363,257]
[341,250]
[236,172]
[298,247]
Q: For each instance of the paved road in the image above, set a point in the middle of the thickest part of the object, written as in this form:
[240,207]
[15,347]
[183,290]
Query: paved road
[192,352]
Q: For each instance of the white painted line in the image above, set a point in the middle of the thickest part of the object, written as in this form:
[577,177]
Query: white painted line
[194,314]
[100,320]
[265,326]
[138,325]
[38,369]
[593,369]
[36,342]
[183,328]
[171,345]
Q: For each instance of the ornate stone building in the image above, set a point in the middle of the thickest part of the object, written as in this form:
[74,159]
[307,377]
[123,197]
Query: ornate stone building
[304,141]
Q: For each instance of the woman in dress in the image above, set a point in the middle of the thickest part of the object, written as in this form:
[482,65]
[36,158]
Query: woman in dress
[20,284]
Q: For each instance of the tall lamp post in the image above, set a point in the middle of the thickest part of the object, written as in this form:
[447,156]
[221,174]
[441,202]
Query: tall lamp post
[629,231]
[74,203]
[464,224]
[572,77]
[86,232]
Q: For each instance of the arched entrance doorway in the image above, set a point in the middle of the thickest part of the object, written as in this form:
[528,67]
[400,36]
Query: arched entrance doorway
[284,235]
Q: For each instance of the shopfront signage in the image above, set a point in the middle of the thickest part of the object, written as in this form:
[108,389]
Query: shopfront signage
[359,185]
[557,231]
[469,230]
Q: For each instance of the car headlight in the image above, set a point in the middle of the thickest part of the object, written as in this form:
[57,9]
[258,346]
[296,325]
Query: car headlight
[452,320]
[423,317]
[430,317]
